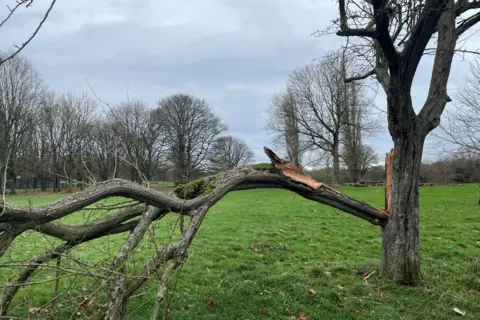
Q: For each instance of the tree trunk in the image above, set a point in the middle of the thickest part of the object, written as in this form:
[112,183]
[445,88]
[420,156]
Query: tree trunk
[44,184]
[13,181]
[400,236]
[56,185]
[336,166]
[356,175]
[133,174]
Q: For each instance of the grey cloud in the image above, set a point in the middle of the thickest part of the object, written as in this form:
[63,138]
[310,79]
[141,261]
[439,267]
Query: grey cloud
[235,54]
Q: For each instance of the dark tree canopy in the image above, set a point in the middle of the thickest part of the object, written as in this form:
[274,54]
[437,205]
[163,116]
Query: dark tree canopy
[190,129]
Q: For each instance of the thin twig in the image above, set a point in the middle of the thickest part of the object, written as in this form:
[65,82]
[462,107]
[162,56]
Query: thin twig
[20,48]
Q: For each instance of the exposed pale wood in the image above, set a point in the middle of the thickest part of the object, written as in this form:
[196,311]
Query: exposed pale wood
[293,172]
[388,180]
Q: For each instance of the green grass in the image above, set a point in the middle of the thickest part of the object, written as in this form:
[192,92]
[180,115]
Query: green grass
[266,249]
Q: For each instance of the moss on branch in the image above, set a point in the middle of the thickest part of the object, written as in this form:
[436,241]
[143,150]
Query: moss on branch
[266,166]
[195,188]
[189,190]
[211,186]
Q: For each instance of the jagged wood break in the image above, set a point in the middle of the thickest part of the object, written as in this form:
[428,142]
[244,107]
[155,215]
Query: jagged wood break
[388,179]
[193,200]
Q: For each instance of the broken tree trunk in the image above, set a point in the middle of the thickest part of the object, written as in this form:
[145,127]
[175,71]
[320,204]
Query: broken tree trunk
[388,180]
[193,199]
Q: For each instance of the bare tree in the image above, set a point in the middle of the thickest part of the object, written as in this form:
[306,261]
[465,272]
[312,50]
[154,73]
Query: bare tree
[461,130]
[282,124]
[64,121]
[396,35]
[359,122]
[462,126]
[190,128]
[102,154]
[76,111]
[319,90]
[229,152]
[326,107]
[52,131]
[11,11]
[141,141]
[21,88]
[358,158]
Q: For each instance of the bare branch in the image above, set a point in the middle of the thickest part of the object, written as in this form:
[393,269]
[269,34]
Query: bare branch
[345,31]
[23,45]
[16,219]
[12,11]
[361,77]
[464,6]
[382,17]
[420,35]
[10,290]
[468,23]
[437,96]
[95,229]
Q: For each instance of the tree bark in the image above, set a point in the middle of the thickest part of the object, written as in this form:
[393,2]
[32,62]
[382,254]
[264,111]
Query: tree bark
[395,71]
[336,165]
[13,179]
[400,235]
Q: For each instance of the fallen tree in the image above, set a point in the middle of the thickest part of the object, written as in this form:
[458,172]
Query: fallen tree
[192,200]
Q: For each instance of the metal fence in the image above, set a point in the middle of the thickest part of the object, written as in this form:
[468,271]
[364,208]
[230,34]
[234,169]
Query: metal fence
[42,184]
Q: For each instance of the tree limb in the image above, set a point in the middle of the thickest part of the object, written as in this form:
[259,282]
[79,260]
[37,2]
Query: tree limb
[468,23]
[77,201]
[382,19]
[345,31]
[225,182]
[10,291]
[12,11]
[282,174]
[437,95]
[91,230]
[176,250]
[23,45]
[420,36]
[464,6]
[361,77]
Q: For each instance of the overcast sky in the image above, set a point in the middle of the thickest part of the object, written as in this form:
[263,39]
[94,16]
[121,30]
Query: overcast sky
[235,54]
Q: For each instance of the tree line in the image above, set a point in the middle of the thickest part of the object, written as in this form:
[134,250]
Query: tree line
[68,140]
[71,139]
[451,169]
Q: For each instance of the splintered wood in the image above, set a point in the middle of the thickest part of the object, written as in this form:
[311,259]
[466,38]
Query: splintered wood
[290,170]
[388,180]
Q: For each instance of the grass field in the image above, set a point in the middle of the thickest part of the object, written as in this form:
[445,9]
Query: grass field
[269,254]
